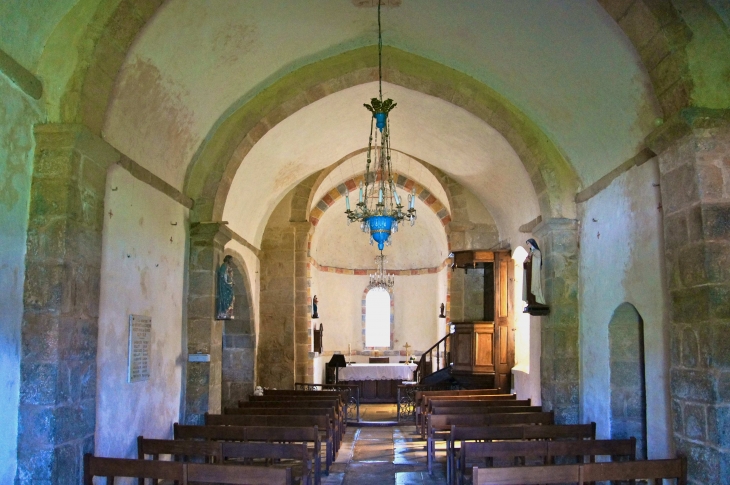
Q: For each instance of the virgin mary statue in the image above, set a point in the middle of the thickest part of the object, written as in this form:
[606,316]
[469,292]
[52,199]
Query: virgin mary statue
[225,297]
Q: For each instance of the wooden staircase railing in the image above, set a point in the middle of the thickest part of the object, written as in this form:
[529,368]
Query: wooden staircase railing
[436,358]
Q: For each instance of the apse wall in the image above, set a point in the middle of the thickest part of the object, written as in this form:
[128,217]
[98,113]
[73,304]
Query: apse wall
[621,260]
[17,116]
[142,273]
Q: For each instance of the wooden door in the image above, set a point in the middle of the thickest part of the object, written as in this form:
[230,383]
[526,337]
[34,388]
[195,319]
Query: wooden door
[504,336]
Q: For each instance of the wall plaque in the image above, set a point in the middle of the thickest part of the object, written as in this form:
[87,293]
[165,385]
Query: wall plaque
[140,345]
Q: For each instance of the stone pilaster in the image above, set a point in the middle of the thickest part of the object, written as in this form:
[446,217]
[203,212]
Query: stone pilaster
[57,412]
[694,162]
[302,329]
[560,359]
[204,333]
[275,359]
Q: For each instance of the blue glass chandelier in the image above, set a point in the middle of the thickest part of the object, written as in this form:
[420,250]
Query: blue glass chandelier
[379,209]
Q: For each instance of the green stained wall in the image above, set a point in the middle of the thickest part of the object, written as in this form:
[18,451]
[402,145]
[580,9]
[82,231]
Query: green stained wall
[18,113]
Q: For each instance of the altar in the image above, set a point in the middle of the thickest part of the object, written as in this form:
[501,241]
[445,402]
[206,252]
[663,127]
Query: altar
[377,382]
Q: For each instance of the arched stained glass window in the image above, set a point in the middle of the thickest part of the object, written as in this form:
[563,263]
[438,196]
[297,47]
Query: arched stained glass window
[377,318]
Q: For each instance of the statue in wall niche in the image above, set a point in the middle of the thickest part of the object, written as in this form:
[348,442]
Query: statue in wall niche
[225,297]
[314,307]
[532,293]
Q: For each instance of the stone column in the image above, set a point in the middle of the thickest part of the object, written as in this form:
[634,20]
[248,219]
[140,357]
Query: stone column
[204,332]
[694,163]
[560,358]
[57,412]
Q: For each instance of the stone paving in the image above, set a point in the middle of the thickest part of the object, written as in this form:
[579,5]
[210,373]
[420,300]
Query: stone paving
[383,455]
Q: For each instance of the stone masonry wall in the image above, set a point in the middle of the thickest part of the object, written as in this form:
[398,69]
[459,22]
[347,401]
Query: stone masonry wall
[204,333]
[695,188]
[57,413]
[560,360]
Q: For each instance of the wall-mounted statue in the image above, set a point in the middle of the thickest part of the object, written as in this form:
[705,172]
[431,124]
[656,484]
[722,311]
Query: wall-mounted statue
[532,282]
[314,307]
[224,294]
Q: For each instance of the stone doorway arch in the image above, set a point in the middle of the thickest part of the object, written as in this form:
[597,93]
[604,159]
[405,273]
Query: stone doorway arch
[628,381]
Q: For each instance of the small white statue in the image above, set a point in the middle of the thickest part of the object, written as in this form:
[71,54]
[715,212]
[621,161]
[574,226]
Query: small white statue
[259,391]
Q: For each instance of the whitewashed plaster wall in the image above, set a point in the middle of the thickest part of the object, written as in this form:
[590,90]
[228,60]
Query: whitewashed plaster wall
[422,245]
[621,260]
[417,299]
[142,273]
[18,113]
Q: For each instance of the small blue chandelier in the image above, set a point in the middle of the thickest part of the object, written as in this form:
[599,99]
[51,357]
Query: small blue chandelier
[379,209]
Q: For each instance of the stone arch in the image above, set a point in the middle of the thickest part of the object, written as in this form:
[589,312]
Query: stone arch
[214,166]
[401,181]
[239,340]
[627,380]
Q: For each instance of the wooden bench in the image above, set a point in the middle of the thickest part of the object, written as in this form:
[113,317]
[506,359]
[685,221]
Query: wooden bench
[182,473]
[585,473]
[269,434]
[439,426]
[299,402]
[343,395]
[422,398]
[315,404]
[545,450]
[274,451]
[426,400]
[461,434]
[180,450]
[322,422]
[215,451]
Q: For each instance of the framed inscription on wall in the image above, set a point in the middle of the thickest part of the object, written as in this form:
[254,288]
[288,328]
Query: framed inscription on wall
[140,345]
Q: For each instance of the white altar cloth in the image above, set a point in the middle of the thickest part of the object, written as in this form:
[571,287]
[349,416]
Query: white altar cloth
[377,372]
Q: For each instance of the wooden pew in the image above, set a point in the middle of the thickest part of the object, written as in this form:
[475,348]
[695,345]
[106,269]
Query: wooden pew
[294,402]
[273,451]
[439,426]
[546,450]
[422,410]
[474,392]
[461,434]
[484,409]
[181,450]
[215,451]
[309,435]
[181,473]
[585,473]
[322,422]
[316,404]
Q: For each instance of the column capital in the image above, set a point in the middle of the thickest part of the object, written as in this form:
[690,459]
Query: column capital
[216,232]
[683,123]
[555,224]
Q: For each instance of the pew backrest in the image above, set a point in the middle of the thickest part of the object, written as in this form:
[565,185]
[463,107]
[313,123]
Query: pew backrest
[111,468]
[182,472]
[485,410]
[442,422]
[215,433]
[585,473]
[548,450]
[180,449]
[549,432]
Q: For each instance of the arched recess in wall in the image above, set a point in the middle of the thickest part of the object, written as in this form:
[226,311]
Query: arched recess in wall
[628,383]
[239,341]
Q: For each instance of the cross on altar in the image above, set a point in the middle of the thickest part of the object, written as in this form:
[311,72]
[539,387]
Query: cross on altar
[406,346]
